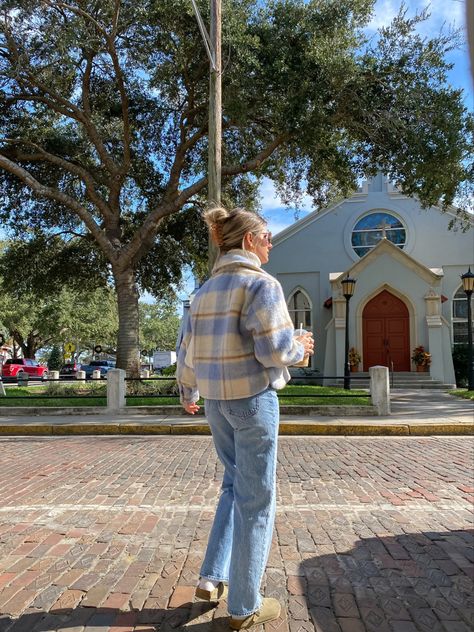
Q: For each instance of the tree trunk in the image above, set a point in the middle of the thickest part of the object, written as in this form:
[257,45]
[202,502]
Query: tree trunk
[128,354]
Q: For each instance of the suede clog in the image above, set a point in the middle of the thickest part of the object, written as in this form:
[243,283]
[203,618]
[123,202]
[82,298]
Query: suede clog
[268,611]
[219,592]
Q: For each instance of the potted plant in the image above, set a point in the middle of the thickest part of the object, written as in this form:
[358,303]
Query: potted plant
[421,358]
[354,359]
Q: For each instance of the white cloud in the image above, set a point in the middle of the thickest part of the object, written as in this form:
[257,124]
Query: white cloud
[384,12]
[277,214]
[271,200]
[442,12]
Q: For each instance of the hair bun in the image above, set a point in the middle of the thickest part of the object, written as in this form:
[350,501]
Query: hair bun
[228,228]
[215,215]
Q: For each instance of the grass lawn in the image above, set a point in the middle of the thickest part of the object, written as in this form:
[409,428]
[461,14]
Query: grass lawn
[31,396]
[463,392]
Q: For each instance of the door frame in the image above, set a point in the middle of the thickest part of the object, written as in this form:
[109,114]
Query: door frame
[405,300]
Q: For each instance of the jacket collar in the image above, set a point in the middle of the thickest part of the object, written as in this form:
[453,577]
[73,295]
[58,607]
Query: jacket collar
[237,257]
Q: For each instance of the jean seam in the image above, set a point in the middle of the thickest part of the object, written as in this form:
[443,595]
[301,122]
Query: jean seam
[267,408]
[214,578]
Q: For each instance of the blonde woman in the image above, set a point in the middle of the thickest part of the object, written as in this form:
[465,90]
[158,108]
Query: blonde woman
[238,343]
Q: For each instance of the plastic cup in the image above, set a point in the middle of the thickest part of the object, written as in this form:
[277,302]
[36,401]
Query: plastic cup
[305,361]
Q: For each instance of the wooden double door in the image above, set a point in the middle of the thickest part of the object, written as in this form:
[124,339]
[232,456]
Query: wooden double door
[386,332]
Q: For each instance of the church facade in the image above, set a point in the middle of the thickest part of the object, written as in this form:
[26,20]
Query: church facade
[408,292]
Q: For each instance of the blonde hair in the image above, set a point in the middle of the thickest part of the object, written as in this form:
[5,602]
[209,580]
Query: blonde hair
[228,228]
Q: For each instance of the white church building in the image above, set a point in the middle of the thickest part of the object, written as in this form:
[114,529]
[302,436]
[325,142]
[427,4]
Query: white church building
[408,292]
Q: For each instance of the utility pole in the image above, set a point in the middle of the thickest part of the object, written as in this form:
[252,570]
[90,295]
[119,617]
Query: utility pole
[215,119]
[215,106]
[212,44]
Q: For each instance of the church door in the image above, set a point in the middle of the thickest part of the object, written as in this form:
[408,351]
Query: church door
[386,332]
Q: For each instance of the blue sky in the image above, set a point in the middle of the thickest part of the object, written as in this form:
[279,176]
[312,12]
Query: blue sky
[444,14]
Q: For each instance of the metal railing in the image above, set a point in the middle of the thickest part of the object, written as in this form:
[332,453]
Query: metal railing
[281,394]
[295,381]
[21,382]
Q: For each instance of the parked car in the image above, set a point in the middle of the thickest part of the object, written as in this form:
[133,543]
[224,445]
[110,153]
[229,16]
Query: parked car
[17,366]
[69,370]
[98,365]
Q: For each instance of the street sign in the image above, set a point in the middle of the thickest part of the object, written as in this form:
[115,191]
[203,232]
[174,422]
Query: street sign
[69,347]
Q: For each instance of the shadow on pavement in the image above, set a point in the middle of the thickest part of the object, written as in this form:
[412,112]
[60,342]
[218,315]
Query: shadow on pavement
[105,619]
[420,582]
[406,583]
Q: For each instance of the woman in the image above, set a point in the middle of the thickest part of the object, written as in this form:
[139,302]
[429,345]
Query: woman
[238,343]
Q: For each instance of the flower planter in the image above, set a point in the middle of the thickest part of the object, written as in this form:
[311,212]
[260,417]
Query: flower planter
[354,368]
[420,368]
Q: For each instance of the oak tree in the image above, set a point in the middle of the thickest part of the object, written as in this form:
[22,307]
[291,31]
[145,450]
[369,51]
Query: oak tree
[103,110]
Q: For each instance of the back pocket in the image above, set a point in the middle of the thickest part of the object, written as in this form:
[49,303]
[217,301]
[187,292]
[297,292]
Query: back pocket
[243,408]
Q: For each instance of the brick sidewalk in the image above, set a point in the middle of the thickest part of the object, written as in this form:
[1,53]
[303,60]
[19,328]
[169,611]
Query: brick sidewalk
[106,534]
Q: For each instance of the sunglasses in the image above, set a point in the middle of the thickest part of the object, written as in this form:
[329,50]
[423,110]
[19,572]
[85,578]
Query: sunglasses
[266,236]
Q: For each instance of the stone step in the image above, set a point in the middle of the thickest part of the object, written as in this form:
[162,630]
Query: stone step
[399,380]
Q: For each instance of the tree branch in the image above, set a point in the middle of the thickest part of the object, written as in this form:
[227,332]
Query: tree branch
[109,39]
[58,102]
[178,163]
[88,179]
[144,237]
[255,163]
[53,194]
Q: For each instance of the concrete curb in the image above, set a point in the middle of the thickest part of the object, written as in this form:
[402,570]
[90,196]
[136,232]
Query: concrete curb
[286,429]
[42,411]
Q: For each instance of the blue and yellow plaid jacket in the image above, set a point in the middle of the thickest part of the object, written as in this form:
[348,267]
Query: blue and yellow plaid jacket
[238,339]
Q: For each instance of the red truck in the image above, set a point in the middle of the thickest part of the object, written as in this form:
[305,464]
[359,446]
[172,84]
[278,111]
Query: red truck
[12,368]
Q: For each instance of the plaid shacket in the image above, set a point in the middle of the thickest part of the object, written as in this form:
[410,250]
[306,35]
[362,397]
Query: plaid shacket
[239,338]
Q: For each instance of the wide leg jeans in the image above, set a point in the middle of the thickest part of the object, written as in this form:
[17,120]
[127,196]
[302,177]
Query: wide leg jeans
[245,433]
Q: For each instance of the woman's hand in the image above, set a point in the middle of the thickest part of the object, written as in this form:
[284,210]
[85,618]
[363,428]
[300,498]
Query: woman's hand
[191,408]
[307,341]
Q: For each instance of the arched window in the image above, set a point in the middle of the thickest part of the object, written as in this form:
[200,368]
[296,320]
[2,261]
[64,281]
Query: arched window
[299,307]
[460,317]
[371,228]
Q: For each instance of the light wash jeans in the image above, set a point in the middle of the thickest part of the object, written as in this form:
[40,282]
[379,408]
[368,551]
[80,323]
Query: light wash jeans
[245,433]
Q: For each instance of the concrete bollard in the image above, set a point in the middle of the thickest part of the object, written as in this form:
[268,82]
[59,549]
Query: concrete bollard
[81,377]
[53,375]
[115,390]
[380,389]
[2,389]
[22,378]
[96,374]
[145,374]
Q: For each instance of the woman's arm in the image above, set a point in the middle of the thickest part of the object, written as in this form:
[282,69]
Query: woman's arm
[270,324]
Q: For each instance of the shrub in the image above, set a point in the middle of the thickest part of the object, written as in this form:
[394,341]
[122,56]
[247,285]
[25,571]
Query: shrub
[152,387]
[55,359]
[461,365]
[169,370]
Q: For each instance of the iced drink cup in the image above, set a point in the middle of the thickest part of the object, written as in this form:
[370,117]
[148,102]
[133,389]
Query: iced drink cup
[305,360]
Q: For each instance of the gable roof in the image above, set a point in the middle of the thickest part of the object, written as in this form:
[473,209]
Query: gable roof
[385,246]
[317,214]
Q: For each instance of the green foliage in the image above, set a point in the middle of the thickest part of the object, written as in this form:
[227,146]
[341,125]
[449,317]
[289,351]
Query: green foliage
[152,387]
[169,370]
[463,393]
[39,318]
[159,325]
[104,110]
[461,364]
[55,360]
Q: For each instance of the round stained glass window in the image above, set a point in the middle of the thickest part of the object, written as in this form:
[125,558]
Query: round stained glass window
[370,229]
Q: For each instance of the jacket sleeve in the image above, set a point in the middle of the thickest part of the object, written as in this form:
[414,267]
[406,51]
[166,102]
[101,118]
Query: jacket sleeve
[185,377]
[270,324]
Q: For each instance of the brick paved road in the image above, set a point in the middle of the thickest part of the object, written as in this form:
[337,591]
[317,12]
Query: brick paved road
[105,534]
